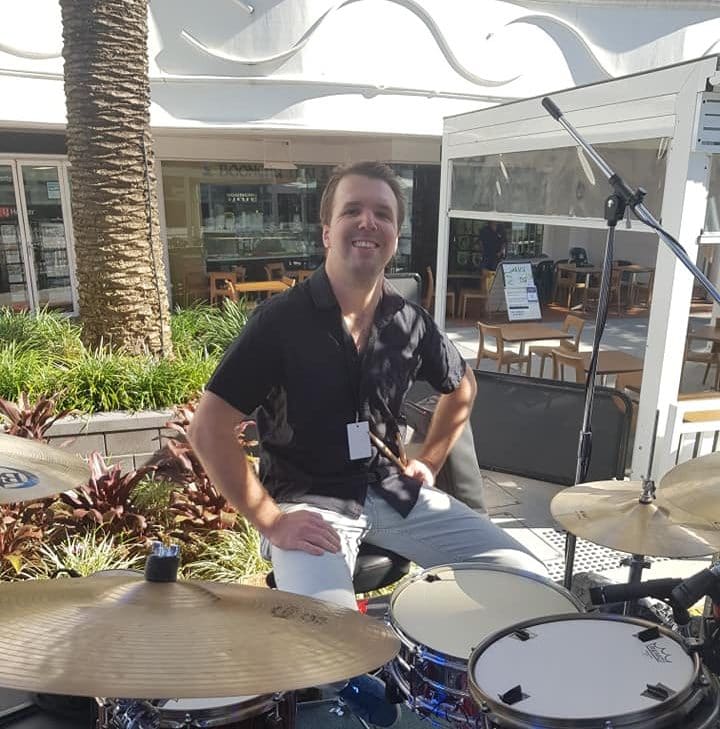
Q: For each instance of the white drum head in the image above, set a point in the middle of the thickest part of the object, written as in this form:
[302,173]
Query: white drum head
[582,668]
[205,704]
[456,612]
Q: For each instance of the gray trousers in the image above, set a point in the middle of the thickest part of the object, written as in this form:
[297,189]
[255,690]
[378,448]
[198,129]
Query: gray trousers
[438,530]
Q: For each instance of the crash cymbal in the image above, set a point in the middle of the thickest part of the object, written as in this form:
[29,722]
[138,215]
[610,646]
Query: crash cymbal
[126,637]
[693,486]
[32,470]
[610,513]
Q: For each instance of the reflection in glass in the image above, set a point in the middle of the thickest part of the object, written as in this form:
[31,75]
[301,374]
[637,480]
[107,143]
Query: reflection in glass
[712,216]
[225,216]
[13,288]
[43,200]
[556,181]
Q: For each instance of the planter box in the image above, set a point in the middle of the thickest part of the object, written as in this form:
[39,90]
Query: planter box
[126,438]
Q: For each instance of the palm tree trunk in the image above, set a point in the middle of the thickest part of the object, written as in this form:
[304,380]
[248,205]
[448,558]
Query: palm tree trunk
[120,266]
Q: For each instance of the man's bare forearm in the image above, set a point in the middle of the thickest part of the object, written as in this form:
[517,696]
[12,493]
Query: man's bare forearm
[212,436]
[451,414]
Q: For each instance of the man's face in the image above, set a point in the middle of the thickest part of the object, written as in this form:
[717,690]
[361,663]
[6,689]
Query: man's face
[362,235]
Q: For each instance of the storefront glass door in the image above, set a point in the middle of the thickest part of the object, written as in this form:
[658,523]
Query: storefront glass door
[13,272]
[45,205]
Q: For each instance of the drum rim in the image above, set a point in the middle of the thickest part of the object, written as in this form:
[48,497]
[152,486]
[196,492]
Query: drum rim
[232,711]
[430,653]
[551,722]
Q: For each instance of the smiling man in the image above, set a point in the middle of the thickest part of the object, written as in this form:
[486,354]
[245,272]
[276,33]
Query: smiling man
[324,365]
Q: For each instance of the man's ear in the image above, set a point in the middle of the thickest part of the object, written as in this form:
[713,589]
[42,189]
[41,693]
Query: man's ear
[326,236]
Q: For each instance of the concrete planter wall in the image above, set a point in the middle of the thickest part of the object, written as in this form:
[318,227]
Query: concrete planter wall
[125,438]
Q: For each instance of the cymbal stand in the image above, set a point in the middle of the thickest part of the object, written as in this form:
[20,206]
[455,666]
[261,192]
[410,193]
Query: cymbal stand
[638,562]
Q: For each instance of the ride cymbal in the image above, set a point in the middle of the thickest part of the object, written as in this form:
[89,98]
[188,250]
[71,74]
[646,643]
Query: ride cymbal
[693,487]
[610,513]
[32,470]
[126,637]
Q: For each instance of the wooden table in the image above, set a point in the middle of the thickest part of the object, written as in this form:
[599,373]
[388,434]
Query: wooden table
[261,287]
[524,332]
[707,333]
[613,362]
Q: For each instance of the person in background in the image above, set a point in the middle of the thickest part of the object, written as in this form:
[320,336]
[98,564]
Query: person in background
[493,241]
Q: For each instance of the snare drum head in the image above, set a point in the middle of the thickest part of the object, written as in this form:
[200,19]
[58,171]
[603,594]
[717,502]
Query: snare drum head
[581,667]
[197,705]
[451,609]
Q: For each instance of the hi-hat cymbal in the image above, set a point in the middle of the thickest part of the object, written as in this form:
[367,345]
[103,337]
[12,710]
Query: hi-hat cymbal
[127,637]
[610,513]
[32,470]
[693,486]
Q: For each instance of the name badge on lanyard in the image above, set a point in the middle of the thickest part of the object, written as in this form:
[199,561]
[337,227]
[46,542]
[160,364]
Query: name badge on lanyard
[358,435]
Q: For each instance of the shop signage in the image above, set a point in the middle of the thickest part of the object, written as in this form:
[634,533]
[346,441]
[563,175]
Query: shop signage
[8,211]
[241,197]
[521,295]
[53,190]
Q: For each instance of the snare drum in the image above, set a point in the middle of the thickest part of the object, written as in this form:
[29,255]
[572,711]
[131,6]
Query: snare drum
[441,614]
[239,712]
[591,672]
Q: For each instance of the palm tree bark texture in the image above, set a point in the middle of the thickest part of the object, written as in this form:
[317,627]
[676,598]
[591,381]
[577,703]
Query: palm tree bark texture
[120,266]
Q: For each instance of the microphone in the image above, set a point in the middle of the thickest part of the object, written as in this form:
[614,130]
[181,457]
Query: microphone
[689,591]
[660,589]
[551,108]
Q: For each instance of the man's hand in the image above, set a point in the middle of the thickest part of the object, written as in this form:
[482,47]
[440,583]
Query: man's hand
[303,530]
[420,471]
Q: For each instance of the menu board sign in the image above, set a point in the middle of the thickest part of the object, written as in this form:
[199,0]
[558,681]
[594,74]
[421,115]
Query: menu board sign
[521,296]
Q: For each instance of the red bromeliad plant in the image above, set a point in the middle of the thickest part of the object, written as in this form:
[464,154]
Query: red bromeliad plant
[30,420]
[199,505]
[21,532]
[106,500]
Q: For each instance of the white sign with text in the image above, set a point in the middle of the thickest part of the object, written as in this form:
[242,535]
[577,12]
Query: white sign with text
[521,294]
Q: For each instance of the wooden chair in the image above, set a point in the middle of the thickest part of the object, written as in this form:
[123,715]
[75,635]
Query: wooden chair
[480,294]
[302,274]
[275,271]
[708,358]
[573,324]
[629,382]
[499,354]
[640,289]
[575,362]
[222,284]
[429,298]
[567,283]
[194,287]
[592,292]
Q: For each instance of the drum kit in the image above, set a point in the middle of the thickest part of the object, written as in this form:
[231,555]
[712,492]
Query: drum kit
[464,645]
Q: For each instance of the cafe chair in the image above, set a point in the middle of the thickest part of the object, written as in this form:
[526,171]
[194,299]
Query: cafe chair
[572,324]
[429,298]
[480,294]
[275,271]
[503,357]
[615,293]
[641,290]
[572,361]
[222,284]
[708,358]
[567,284]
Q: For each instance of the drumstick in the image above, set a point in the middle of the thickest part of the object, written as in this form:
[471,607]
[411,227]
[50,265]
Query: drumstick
[401,450]
[386,451]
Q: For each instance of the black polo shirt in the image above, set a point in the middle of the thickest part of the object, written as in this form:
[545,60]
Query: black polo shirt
[296,364]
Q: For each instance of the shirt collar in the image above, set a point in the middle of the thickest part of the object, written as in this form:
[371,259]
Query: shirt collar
[324,298]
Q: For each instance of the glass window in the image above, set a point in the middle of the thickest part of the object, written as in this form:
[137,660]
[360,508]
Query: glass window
[712,216]
[559,181]
[227,216]
[13,286]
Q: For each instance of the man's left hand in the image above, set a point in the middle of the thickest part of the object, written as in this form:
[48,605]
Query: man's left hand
[420,471]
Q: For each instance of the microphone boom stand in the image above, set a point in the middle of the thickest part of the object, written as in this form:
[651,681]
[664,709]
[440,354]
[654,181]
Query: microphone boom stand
[622,197]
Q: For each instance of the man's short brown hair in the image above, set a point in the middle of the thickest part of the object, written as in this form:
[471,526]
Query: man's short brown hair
[373,170]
